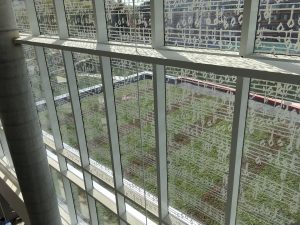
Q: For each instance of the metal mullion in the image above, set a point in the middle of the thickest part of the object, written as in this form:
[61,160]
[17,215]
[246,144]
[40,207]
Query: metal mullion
[247,45]
[45,80]
[236,153]
[80,131]
[111,115]
[32,16]
[61,19]
[157,23]
[100,18]
[249,26]
[69,198]
[159,87]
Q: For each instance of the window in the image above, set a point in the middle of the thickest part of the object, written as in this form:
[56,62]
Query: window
[153,115]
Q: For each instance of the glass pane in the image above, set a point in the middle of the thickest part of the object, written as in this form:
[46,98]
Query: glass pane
[133,89]
[37,89]
[21,16]
[128,21]
[80,18]
[89,82]
[270,182]
[204,24]
[46,17]
[199,122]
[106,216]
[278,28]
[60,91]
[81,205]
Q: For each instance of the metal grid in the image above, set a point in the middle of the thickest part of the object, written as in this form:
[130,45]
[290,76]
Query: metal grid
[80,19]
[21,16]
[278,30]
[204,24]
[128,21]
[46,16]
[214,64]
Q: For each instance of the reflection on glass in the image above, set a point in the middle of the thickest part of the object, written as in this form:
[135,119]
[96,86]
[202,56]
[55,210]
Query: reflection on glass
[270,181]
[81,205]
[46,16]
[60,91]
[21,16]
[89,83]
[128,21]
[203,24]
[278,28]
[133,91]
[199,122]
[80,18]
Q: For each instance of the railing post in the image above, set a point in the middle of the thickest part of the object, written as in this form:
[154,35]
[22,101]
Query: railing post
[83,150]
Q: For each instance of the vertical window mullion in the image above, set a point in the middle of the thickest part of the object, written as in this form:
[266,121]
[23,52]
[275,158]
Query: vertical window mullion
[250,14]
[84,156]
[157,32]
[113,136]
[159,88]
[102,37]
[237,144]
[240,112]
[61,19]
[157,23]
[32,16]
[101,23]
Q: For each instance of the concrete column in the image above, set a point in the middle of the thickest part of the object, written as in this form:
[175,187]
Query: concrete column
[21,126]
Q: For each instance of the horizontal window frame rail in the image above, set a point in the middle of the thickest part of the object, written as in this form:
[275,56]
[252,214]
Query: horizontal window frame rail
[279,70]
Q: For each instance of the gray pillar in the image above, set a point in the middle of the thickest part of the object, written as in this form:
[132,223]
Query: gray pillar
[21,126]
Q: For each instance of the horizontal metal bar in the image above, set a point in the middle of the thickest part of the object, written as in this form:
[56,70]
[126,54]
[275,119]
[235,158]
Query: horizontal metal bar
[226,64]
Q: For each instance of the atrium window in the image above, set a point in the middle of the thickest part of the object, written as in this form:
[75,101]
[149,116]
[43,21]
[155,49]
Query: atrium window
[168,111]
